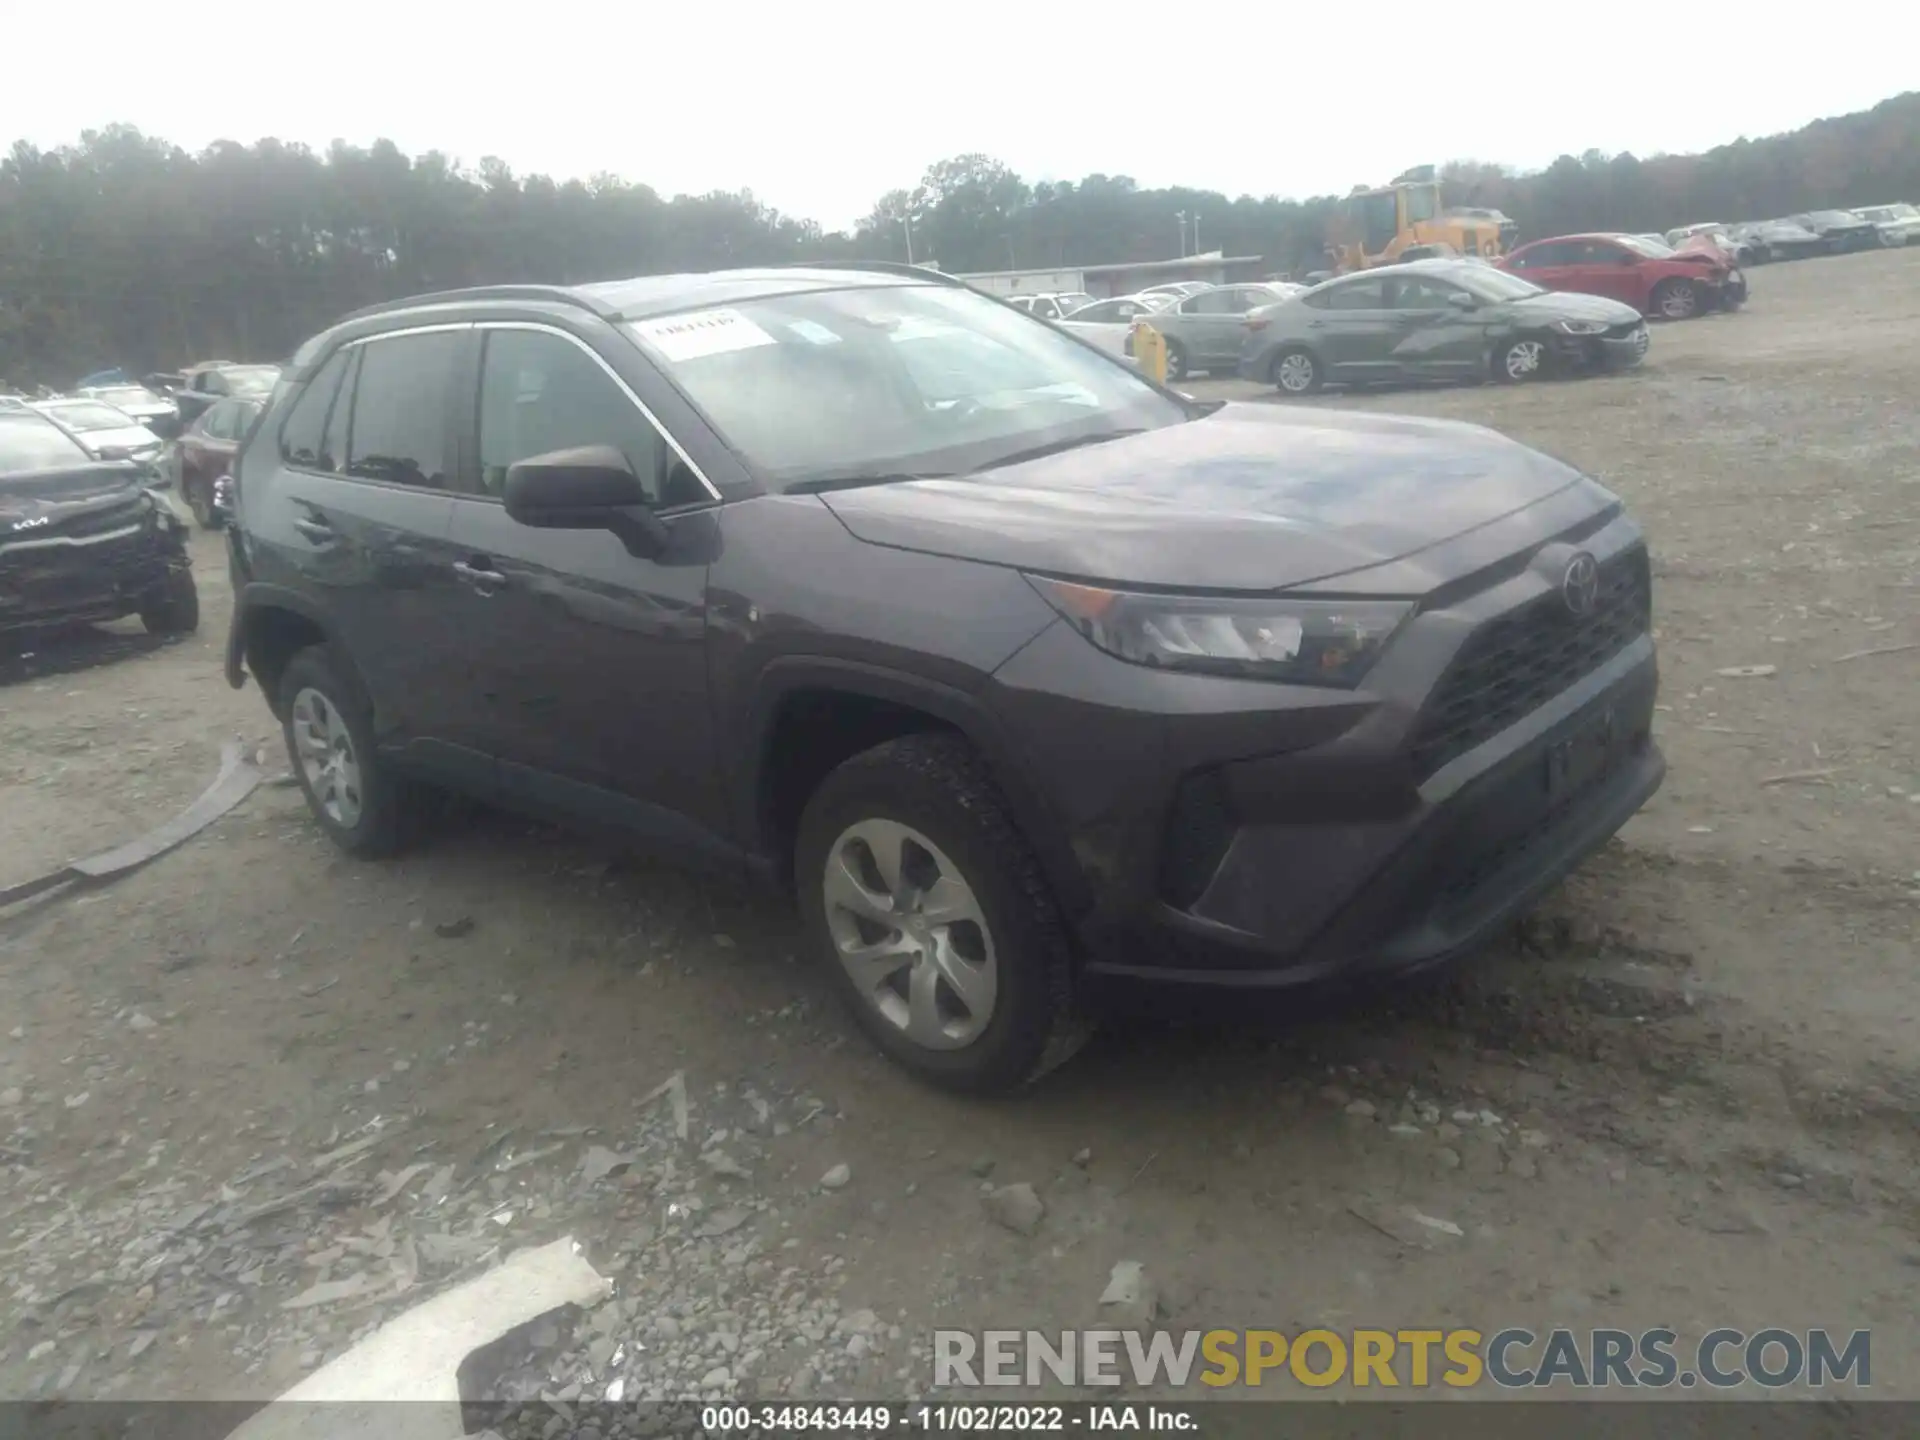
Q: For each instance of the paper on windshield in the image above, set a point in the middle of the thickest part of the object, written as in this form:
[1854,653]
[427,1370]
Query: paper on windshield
[701,333]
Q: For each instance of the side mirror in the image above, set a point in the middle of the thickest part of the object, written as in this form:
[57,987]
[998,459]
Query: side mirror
[588,488]
[1460,300]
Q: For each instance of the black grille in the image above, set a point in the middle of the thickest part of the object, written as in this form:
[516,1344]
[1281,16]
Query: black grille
[1517,662]
[1625,330]
[100,522]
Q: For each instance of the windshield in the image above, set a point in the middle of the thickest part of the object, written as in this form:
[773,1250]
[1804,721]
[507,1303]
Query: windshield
[1645,245]
[86,415]
[897,379]
[28,444]
[125,395]
[252,379]
[1491,284]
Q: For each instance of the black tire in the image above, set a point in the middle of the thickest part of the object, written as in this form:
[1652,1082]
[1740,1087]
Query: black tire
[1675,299]
[389,807]
[173,607]
[1312,376]
[1176,361]
[1510,360]
[938,785]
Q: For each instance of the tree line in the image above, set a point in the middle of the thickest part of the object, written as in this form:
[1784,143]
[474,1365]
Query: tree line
[126,250]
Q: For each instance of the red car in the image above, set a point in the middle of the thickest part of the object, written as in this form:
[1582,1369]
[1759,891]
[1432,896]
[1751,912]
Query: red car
[1654,278]
[205,452]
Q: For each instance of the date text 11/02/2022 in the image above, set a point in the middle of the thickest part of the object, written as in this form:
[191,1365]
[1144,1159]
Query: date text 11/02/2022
[937,1418]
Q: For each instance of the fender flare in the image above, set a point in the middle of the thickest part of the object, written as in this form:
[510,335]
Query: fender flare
[259,595]
[952,706]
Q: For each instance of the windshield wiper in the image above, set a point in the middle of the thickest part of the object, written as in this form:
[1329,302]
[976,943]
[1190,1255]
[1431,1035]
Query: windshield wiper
[856,482]
[1055,447]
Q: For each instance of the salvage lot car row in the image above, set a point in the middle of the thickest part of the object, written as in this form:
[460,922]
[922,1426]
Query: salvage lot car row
[519,598]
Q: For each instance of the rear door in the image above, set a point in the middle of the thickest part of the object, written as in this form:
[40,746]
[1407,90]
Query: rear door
[1210,326]
[357,522]
[584,664]
[1353,327]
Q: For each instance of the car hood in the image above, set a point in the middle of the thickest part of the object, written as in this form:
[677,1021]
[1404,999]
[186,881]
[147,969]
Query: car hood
[1571,305]
[127,437]
[55,496]
[1249,497]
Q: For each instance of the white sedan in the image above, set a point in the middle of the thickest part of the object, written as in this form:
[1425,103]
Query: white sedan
[1107,323]
[99,426]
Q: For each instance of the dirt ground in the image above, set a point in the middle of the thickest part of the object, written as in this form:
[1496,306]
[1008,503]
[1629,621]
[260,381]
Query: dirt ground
[258,1096]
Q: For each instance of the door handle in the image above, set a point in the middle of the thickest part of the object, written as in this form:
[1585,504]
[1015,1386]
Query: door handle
[317,531]
[482,579]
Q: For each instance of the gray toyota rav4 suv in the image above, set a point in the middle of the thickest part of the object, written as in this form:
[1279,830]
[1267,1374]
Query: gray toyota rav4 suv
[1030,678]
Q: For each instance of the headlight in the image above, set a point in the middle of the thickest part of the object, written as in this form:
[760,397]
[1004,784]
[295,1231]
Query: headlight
[1295,642]
[1581,327]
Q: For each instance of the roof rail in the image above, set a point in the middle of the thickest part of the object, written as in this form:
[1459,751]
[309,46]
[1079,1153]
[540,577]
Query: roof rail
[884,267]
[554,294]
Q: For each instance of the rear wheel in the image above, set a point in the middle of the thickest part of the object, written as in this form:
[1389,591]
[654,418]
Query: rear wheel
[173,606]
[363,806]
[934,920]
[1176,360]
[1520,359]
[1676,299]
[1297,372]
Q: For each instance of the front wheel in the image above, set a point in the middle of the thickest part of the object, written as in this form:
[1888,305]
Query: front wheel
[1676,300]
[1176,361]
[935,922]
[1296,372]
[173,608]
[1520,360]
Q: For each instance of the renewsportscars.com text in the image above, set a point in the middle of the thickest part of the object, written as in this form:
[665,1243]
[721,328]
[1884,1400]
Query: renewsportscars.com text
[1513,1358]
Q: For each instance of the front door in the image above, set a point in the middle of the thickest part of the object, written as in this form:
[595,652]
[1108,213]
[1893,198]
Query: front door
[585,663]
[1436,338]
[1211,324]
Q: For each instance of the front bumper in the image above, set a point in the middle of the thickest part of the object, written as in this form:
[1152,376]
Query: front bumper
[55,584]
[1241,837]
[1621,348]
[1293,904]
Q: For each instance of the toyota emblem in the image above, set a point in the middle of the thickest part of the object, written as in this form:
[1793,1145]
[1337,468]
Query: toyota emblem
[1580,586]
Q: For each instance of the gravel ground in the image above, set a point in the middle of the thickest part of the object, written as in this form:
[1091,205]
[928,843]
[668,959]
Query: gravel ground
[258,1097]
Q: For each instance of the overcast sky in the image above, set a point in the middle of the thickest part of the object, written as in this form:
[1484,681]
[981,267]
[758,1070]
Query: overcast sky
[820,108]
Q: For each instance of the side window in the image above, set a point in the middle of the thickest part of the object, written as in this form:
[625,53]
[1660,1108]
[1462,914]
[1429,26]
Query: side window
[1213,302]
[1104,313]
[1418,294]
[398,429]
[303,435]
[1357,295]
[1046,309]
[216,383]
[219,422]
[1548,252]
[540,393]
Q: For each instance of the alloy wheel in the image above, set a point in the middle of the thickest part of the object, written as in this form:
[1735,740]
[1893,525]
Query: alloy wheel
[1295,373]
[1678,302]
[1524,359]
[324,748]
[910,933]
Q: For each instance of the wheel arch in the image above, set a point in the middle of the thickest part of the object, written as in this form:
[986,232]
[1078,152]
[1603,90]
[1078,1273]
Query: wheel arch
[271,626]
[809,714]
